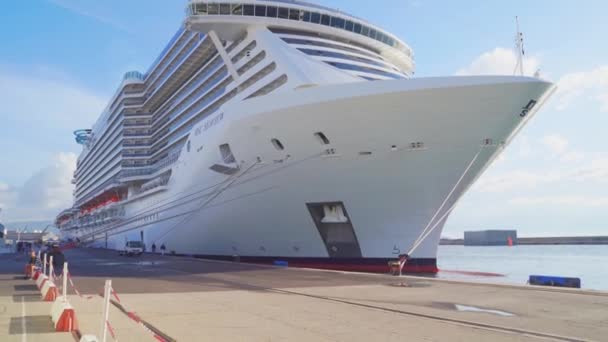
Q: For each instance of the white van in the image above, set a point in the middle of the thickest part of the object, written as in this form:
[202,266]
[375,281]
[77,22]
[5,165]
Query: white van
[133,248]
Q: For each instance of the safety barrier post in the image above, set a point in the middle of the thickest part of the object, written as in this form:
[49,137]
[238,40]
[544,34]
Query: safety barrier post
[105,310]
[51,269]
[65,281]
[44,265]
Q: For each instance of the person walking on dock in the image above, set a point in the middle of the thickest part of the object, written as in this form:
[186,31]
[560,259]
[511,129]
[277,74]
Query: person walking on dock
[153,247]
[29,268]
[162,249]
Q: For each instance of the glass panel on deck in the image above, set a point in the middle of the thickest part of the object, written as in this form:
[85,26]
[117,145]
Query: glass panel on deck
[213,9]
[337,22]
[283,13]
[225,9]
[248,9]
[237,9]
[365,30]
[260,11]
[272,11]
[357,28]
[315,18]
[325,19]
[348,26]
[306,16]
[372,33]
[294,14]
[201,8]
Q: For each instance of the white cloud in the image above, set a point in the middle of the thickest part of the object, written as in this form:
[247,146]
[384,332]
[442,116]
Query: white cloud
[518,179]
[500,61]
[556,143]
[593,171]
[573,201]
[44,194]
[590,85]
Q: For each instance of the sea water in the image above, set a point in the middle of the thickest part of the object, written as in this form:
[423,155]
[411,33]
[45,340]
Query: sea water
[515,264]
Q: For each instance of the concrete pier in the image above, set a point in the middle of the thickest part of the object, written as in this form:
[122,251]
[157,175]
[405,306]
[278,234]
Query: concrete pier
[190,300]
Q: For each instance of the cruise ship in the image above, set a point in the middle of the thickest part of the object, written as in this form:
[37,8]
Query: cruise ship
[283,131]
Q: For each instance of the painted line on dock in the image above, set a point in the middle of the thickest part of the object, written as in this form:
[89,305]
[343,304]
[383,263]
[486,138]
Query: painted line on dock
[23,325]
[439,318]
[472,324]
[459,322]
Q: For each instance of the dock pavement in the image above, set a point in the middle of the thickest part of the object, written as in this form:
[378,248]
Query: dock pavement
[187,299]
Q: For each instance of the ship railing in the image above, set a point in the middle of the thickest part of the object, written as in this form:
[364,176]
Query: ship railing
[143,171]
[109,183]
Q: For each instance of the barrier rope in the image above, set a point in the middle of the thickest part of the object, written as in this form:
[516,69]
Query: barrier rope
[135,318]
[111,330]
[117,303]
[76,289]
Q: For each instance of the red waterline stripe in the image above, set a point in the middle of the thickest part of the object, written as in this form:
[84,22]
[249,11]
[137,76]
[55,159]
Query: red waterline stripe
[366,268]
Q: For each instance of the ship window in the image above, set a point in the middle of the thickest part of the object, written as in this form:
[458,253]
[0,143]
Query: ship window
[337,22]
[372,33]
[352,67]
[260,11]
[225,9]
[188,146]
[315,18]
[365,30]
[357,28]
[201,8]
[213,9]
[348,26]
[271,11]
[322,138]
[248,9]
[380,36]
[237,9]
[283,13]
[294,14]
[306,16]
[277,144]
[325,19]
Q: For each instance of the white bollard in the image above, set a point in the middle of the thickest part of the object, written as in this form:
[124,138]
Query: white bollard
[105,310]
[51,268]
[44,265]
[65,281]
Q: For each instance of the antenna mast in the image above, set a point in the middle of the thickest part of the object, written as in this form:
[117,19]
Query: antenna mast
[519,46]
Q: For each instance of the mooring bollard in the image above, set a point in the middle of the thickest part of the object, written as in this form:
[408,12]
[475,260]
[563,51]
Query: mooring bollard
[105,310]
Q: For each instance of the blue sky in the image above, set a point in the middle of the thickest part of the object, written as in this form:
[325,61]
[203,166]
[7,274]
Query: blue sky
[60,61]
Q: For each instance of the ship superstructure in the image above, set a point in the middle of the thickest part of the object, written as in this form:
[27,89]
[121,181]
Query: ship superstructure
[286,130]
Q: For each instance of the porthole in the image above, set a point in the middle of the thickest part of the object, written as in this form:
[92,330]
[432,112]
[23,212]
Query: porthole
[277,144]
[322,138]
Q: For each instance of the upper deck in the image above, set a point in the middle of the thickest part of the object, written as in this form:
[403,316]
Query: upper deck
[230,18]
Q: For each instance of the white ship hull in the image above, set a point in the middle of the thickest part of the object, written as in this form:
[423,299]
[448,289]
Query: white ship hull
[390,191]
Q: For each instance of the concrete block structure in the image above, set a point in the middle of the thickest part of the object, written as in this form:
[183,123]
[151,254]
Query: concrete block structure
[490,238]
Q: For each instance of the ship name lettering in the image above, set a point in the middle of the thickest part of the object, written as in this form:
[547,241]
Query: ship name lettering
[209,124]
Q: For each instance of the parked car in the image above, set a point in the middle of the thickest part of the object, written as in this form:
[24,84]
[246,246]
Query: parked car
[133,248]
